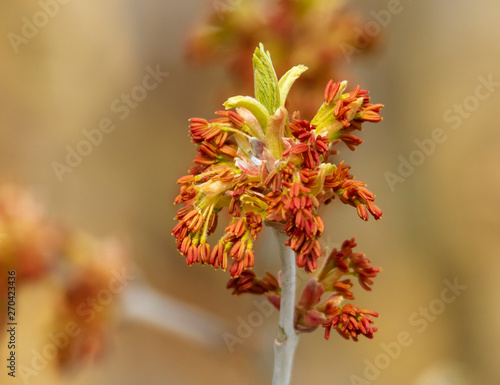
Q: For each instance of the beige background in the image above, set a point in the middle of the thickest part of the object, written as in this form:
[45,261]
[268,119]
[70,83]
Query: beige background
[441,223]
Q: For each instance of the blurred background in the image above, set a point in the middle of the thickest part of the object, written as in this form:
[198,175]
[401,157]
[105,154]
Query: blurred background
[69,68]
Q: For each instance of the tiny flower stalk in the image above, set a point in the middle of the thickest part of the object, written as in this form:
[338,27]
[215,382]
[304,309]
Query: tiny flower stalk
[268,166]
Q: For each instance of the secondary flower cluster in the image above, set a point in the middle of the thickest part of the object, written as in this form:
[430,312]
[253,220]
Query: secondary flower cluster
[321,302]
[271,167]
[347,319]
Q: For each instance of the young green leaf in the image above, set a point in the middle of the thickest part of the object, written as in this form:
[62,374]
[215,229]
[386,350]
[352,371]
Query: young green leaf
[287,80]
[257,109]
[265,81]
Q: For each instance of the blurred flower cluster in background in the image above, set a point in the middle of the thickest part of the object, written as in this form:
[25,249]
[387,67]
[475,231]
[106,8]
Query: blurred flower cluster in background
[321,34]
[77,266]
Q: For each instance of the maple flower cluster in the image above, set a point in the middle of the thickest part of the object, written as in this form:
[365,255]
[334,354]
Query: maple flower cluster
[271,167]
